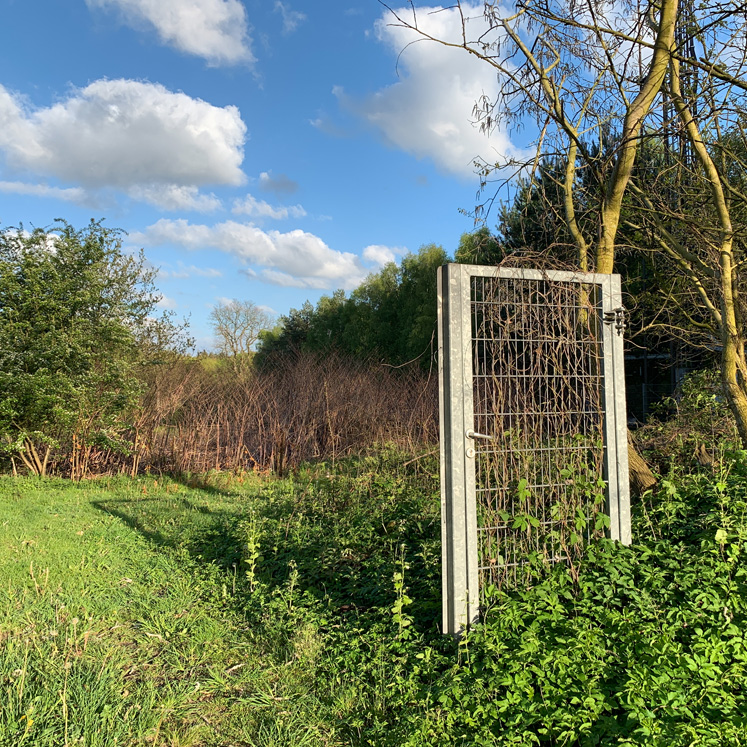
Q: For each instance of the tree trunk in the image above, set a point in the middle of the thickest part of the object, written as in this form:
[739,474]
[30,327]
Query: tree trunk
[641,476]
[732,364]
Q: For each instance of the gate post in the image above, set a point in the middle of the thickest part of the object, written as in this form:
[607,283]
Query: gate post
[460,582]
[616,417]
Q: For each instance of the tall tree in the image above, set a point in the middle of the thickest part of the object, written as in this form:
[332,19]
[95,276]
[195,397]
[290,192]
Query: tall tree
[573,68]
[237,326]
[591,69]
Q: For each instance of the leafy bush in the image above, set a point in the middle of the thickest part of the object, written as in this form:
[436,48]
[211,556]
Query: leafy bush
[75,321]
[305,611]
[691,428]
[647,647]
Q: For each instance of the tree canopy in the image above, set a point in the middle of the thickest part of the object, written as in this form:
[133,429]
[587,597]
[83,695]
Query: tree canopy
[601,83]
[237,326]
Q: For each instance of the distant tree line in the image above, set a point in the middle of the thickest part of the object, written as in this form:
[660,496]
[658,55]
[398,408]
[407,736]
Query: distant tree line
[389,318]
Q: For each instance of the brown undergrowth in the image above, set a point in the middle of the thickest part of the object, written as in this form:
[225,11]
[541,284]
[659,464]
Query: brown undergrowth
[201,414]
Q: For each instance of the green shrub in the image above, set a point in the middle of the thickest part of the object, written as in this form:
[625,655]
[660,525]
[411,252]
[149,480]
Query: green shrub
[692,429]
[305,611]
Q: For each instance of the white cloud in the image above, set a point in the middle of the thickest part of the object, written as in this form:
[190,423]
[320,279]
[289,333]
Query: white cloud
[260,209]
[284,280]
[205,272]
[166,303]
[71,194]
[280,184]
[325,124]
[293,258]
[380,255]
[174,197]
[49,240]
[428,112]
[215,30]
[291,18]
[184,271]
[125,133]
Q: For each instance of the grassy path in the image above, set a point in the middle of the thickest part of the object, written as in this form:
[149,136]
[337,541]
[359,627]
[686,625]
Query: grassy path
[123,621]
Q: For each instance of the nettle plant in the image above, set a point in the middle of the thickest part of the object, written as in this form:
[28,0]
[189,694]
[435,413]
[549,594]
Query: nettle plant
[549,515]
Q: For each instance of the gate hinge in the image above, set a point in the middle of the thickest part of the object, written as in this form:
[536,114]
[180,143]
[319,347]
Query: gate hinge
[617,317]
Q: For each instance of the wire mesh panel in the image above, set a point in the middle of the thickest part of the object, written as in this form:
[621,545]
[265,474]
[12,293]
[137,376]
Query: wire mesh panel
[537,394]
[533,442]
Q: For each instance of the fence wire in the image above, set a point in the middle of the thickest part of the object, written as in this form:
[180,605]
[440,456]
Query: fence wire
[538,396]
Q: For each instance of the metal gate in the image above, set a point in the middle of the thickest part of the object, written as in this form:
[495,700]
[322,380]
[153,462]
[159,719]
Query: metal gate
[534,460]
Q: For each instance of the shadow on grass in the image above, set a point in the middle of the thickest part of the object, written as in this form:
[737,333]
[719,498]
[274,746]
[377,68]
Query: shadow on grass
[342,550]
[199,482]
[117,509]
[176,523]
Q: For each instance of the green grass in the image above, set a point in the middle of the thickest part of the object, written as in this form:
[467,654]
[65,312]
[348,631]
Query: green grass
[135,612]
[239,611]
[117,631]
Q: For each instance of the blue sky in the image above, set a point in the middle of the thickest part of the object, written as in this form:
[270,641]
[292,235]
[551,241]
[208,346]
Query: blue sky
[258,150]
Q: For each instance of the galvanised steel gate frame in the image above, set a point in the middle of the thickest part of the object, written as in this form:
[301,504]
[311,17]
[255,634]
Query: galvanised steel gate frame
[461,439]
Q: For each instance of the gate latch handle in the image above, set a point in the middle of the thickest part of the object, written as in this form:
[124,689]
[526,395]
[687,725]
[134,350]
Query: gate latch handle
[472,434]
[618,318]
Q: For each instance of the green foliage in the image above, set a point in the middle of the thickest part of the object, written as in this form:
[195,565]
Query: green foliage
[402,601]
[692,429]
[533,224]
[240,610]
[480,248]
[75,319]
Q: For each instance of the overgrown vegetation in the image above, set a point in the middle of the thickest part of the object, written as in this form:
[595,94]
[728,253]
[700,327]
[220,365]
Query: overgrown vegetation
[305,406]
[690,429]
[77,325]
[243,610]
[93,383]
[230,608]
